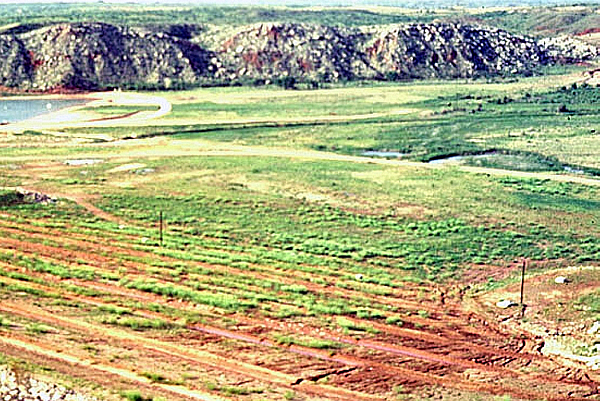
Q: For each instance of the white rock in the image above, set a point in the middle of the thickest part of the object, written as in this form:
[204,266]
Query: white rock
[561,280]
[505,303]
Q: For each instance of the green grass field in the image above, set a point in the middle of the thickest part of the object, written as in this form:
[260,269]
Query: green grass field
[414,219]
[272,214]
[519,120]
[525,20]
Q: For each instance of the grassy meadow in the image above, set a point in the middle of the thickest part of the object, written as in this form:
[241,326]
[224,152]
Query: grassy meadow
[426,222]
[526,20]
[272,212]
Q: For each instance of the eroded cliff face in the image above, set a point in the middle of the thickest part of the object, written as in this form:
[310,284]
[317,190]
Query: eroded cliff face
[271,51]
[99,56]
[15,64]
[452,51]
[96,56]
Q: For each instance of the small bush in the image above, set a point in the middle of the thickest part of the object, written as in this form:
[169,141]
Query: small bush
[155,377]
[134,395]
[9,198]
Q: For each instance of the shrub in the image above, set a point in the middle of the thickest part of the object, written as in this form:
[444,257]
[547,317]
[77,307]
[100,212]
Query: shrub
[9,198]
[134,395]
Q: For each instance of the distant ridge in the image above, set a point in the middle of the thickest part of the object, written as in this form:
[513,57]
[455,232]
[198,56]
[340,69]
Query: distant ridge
[386,3]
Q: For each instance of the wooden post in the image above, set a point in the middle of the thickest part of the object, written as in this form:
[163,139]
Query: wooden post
[161,227]
[523,287]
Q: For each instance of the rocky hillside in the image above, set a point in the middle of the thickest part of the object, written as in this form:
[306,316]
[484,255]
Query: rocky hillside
[452,51]
[306,52]
[15,63]
[98,56]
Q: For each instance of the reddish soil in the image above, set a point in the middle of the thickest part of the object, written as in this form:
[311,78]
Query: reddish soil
[588,31]
[445,341]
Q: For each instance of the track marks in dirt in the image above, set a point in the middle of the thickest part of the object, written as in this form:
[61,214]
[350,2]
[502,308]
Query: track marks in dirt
[416,353]
[427,376]
[191,355]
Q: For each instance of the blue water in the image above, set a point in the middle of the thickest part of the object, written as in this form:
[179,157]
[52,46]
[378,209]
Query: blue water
[18,110]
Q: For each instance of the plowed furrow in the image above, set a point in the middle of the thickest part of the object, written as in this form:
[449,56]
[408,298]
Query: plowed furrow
[447,338]
[199,357]
[416,354]
[431,357]
[134,268]
[92,370]
[109,264]
[268,325]
[287,277]
[404,350]
[425,378]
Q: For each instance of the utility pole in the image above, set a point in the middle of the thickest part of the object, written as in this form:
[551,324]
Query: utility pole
[161,228]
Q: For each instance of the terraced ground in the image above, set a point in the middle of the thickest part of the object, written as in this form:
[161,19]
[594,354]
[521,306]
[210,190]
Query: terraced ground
[119,310]
[292,267]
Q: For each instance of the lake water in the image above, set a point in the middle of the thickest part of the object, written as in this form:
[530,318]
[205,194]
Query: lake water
[382,153]
[18,110]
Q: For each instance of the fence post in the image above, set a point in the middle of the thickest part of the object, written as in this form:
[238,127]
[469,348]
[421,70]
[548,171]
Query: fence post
[161,227]
[523,286]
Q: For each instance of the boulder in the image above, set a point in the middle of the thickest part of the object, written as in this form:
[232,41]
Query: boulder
[505,303]
[561,280]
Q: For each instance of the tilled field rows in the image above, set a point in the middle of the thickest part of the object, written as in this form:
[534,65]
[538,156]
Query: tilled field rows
[323,356]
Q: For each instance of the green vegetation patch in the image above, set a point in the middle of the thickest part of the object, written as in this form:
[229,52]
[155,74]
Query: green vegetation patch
[310,343]
[10,198]
[158,16]
[590,304]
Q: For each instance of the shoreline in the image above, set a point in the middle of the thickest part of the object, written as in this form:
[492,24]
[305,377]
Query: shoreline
[50,96]
[80,102]
[76,117]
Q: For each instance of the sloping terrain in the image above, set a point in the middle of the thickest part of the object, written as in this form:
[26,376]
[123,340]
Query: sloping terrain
[268,51]
[100,56]
[452,51]
[236,315]
[15,67]
[545,21]
[285,271]
[91,56]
